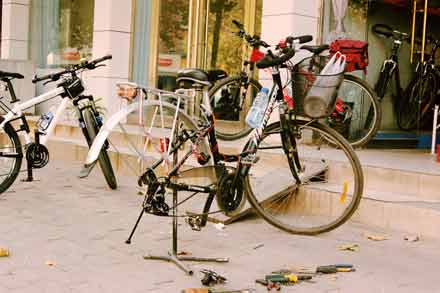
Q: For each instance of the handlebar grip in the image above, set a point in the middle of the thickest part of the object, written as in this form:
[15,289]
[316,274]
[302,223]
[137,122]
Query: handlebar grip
[299,40]
[383,29]
[99,60]
[41,78]
[269,60]
[237,24]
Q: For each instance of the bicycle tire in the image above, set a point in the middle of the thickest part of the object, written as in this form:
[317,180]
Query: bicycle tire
[311,196]
[240,131]
[408,108]
[366,111]
[9,179]
[103,158]
[382,82]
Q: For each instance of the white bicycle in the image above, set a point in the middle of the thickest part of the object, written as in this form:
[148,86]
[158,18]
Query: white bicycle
[69,89]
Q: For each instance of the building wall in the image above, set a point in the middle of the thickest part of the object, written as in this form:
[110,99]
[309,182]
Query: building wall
[289,18]
[113,33]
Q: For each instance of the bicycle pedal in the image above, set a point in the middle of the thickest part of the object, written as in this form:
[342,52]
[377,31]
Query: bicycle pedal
[194,222]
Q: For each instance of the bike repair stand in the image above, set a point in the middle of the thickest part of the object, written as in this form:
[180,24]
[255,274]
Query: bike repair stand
[173,255]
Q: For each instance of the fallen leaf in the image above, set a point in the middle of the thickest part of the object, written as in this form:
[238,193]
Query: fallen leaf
[376,237]
[4,252]
[349,247]
[412,238]
[50,263]
[183,253]
[258,245]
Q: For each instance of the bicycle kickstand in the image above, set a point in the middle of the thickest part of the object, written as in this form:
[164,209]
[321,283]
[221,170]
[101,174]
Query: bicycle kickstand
[128,241]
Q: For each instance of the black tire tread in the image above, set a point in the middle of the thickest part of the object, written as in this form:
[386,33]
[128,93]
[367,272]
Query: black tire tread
[103,158]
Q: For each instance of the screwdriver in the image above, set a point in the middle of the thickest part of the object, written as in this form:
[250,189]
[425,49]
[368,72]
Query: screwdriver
[331,269]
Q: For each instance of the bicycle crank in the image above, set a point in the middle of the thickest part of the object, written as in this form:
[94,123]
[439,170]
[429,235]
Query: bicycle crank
[230,197]
[37,155]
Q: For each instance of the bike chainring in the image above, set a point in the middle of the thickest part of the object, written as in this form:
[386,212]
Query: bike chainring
[37,155]
[230,197]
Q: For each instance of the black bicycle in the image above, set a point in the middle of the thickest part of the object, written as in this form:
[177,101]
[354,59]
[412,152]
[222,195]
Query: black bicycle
[298,174]
[70,89]
[231,97]
[415,108]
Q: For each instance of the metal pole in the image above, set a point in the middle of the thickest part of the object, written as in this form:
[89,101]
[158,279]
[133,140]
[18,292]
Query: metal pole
[425,16]
[413,31]
[434,130]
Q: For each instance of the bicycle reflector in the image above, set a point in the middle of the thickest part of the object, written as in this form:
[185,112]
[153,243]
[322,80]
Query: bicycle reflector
[127,90]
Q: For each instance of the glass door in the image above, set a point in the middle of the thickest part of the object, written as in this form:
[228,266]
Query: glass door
[226,51]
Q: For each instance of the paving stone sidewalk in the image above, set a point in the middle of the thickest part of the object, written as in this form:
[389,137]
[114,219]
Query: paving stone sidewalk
[67,235]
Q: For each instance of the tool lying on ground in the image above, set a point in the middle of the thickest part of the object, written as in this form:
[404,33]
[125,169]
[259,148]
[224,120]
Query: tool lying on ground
[211,278]
[205,290]
[337,268]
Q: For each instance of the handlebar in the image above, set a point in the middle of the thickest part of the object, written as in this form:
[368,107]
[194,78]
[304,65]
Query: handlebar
[90,65]
[387,31]
[270,59]
[254,41]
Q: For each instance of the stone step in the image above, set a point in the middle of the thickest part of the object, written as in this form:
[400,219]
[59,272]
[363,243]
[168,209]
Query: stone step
[400,187]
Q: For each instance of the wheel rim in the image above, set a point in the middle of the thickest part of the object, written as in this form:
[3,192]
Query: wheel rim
[361,117]
[231,123]
[7,149]
[328,196]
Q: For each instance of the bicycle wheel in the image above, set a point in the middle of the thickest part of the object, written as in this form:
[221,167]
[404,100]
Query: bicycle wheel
[417,101]
[103,158]
[358,113]
[331,177]
[225,98]
[140,135]
[11,155]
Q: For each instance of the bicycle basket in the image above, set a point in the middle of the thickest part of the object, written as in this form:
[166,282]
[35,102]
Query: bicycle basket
[315,93]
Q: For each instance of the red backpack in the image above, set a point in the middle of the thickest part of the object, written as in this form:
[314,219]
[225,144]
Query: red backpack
[355,51]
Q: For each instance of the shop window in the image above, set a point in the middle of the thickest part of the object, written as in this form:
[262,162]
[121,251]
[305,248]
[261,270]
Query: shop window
[141,41]
[61,31]
[173,41]
[225,50]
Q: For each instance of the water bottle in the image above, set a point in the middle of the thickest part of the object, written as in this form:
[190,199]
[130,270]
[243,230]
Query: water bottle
[255,116]
[44,121]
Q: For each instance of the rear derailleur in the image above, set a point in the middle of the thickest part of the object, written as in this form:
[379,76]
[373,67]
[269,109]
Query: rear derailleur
[154,201]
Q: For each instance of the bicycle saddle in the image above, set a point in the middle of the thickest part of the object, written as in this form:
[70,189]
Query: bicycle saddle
[315,49]
[216,74]
[4,74]
[189,77]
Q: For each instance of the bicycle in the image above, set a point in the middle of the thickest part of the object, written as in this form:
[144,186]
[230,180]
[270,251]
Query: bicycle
[355,96]
[36,153]
[414,109]
[358,114]
[311,165]
[390,65]
[234,94]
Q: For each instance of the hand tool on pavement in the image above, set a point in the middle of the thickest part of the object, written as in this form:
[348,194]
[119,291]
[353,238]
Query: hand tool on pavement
[212,278]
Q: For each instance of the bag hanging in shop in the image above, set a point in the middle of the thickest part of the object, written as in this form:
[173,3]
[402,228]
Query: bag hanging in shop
[321,97]
[355,51]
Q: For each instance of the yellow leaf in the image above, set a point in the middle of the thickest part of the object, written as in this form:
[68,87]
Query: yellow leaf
[349,247]
[4,252]
[343,195]
[50,263]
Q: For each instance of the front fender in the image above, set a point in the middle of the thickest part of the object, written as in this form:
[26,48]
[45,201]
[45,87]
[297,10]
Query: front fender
[119,116]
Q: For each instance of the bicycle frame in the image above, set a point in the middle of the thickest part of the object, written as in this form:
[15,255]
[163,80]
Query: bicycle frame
[16,113]
[245,159]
